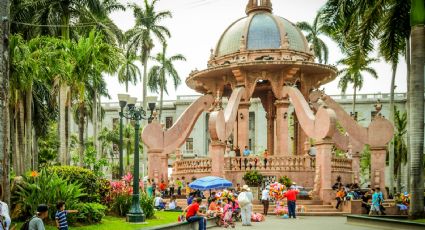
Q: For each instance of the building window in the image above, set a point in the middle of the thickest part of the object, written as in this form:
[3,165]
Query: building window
[189,145]
[168,122]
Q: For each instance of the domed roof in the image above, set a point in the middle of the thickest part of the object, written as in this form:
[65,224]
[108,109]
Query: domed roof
[261,30]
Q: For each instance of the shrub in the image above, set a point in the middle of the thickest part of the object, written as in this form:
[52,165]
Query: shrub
[43,188]
[121,203]
[253,178]
[89,212]
[285,181]
[88,180]
[147,204]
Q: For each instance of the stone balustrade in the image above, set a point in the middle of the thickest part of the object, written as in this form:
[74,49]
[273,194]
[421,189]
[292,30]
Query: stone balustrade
[273,163]
[341,164]
[201,165]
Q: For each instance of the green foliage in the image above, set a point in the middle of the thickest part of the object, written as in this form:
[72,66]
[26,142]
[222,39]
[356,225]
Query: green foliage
[48,146]
[285,181]
[89,213]
[92,163]
[365,161]
[400,146]
[121,204]
[253,178]
[44,188]
[147,204]
[87,178]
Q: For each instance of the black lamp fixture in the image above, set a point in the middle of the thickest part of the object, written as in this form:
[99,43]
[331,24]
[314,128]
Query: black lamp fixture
[285,115]
[241,115]
[151,108]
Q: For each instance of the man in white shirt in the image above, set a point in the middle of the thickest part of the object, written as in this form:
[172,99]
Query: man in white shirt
[159,203]
[265,198]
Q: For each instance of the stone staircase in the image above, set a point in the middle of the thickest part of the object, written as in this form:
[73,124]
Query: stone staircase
[311,207]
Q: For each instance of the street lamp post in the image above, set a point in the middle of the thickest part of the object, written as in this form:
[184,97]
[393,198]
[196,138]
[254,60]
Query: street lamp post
[136,114]
[123,98]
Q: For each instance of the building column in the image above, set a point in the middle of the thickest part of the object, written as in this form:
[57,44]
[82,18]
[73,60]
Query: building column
[243,125]
[377,168]
[154,168]
[355,167]
[324,161]
[216,151]
[164,167]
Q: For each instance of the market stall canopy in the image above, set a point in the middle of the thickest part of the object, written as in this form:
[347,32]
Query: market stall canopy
[210,182]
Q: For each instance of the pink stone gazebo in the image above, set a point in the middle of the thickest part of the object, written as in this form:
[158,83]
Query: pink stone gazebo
[266,56]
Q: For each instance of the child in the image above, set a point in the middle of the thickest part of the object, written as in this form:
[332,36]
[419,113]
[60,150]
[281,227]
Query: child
[60,216]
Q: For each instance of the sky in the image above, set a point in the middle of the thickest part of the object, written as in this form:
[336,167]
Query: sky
[197,25]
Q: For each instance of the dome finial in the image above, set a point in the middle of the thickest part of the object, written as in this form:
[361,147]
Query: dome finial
[259,5]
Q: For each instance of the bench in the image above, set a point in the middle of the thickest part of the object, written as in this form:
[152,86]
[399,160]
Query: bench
[211,222]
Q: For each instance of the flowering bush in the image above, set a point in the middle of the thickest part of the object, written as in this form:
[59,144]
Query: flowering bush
[120,195]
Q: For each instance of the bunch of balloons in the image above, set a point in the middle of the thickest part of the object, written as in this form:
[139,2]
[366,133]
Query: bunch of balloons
[277,190]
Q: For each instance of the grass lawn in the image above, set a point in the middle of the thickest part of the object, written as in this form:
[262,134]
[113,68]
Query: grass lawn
[109,222]
[420,221]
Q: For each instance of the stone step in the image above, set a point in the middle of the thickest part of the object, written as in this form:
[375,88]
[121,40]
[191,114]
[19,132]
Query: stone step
[323,214]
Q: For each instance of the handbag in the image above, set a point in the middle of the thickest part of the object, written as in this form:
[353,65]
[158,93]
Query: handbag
[243,199]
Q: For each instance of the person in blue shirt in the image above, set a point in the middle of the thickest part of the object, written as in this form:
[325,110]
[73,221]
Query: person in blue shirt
[61,214]
[246,152]
[376,202]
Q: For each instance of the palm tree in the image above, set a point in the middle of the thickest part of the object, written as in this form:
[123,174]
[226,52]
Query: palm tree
[158,74]
[141,35]
[129,72]
[392,38]
[355,64]
[400,146]
[416,105]
[313,32]
[92,56]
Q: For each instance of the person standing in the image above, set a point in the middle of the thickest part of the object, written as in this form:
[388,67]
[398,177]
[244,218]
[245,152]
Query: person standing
[291,196]
[5,216]
[36,223]
[381,201]
[246,152]
[61,214]
[162,188]
[179,185]
[265,199]
[245,201]
[194,215]
[238,151]
[171,187]
[265,155]
[149,188]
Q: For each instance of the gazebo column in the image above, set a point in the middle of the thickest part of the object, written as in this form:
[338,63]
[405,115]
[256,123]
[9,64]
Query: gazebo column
[243,124]
[164,167]
[324,161]
[355,167]
[216,151]
[154,169]
[377,161]
[281,147]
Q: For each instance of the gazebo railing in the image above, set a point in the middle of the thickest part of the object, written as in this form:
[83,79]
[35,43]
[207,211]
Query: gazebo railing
[341,164]
[193,165]
[273,163]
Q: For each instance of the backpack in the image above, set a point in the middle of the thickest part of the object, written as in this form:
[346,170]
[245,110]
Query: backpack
[243,199]
[26,225]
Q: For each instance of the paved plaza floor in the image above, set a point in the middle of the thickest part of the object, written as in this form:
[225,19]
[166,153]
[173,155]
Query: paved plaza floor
[304,223]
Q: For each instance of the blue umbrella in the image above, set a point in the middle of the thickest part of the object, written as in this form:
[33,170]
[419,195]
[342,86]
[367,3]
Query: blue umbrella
[210,182]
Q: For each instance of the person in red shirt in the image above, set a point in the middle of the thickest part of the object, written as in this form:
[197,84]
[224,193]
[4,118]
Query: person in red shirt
[162,187]
[193,214]
[291,196]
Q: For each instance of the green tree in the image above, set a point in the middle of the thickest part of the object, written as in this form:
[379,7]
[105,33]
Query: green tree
[399,145]
[141,36]
[313,32]
[416,106]
[159,73]
[355,65]
[128,72]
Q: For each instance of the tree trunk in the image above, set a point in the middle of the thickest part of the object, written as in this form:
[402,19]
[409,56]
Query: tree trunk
[416,102]
[81,125]
[21,138]
[161,100]
[96,126]
[354,101]
[145,79]
[62,156]
[398,184]
[4,103]
[408,112]
[35,150]
[391,144]
[68,119]
[29,161]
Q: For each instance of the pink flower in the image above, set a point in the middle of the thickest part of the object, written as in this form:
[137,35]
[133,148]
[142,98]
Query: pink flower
[128,178]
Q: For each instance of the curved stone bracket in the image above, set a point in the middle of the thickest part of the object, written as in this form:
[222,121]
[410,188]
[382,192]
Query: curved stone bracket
[168,141]
[377,134]
[319,126]
[221,122]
